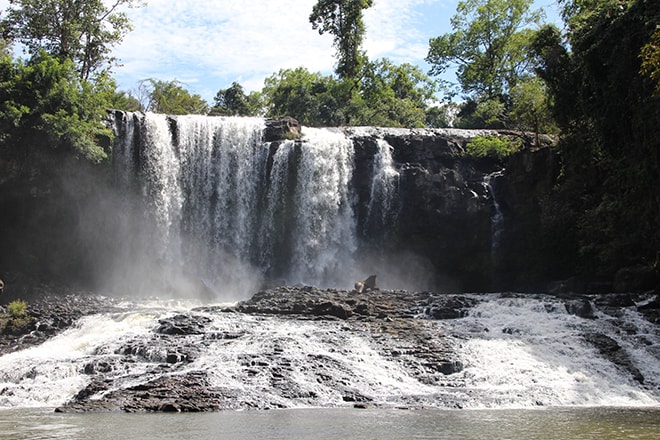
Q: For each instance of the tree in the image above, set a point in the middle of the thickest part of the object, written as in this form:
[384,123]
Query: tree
[170,97]
[311,98]
[650,55]
[4,47]
[488,46]
[610,134]
[343,19]
[394,95]
[83,31]
[234,102]
[44,103]
[529,107]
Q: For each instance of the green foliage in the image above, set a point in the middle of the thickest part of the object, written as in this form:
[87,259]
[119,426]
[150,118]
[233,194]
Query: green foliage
[121,100]
[488,46]
[442,116]
[650,55]
[311,98]
[388,95]
[609,119]
[171,98]
[394,95]
[16,309]
[234,102]
[4,47]
[530,109]
[45,101]
[552,61]
[83,31]
[343,19]
[16,321]
[492,146]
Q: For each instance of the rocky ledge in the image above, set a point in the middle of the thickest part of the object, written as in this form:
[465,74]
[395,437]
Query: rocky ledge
[166,370]
[394,323]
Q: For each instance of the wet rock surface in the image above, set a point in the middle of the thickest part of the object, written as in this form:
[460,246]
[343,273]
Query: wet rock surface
[168,368]
[308,302]
[396,325]
[47,315]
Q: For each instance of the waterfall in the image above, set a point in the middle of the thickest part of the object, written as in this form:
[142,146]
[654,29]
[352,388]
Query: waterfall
[217,203]
[497,218]
[325,228]
[385,177]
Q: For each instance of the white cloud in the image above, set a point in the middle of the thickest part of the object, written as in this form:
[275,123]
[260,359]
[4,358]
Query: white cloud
[209,44]
[222,40]
[213,43]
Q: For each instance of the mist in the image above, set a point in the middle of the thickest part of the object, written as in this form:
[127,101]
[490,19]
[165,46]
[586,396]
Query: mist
[201,208]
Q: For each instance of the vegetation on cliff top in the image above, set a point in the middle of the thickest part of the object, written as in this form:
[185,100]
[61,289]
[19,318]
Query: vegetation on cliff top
[595,83]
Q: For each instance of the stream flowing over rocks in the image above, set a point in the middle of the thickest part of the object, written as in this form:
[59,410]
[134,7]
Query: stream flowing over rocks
[300,346]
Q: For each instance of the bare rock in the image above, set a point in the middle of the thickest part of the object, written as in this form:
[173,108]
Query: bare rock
[281,129]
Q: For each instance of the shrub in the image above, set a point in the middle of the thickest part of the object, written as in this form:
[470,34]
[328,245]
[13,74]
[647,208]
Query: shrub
[492,146]
[16,309]
[16,321]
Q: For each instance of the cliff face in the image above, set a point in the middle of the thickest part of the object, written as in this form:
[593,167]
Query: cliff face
[445,208]
[477,222]
[47,201]
[473,225]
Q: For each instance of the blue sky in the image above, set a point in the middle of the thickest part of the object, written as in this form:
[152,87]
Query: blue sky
[208,44]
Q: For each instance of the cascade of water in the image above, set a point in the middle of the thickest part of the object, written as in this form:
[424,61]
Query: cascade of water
[324,237]
[524,350]
[497,219]
[275,233]
[160,173]
[517,351]
[218,197]
[383,187]
[222,168]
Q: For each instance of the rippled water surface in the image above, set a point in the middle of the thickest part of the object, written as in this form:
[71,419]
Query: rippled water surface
[557,423]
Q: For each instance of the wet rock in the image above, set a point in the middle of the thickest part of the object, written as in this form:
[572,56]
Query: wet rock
[400,327]
[332,309]
[579,307]
[636,279]
[183,324]
[613,303]
[449,307]
[612,351]
[651,309]
[190,392]
[50,311]
[354,396]
[280,129]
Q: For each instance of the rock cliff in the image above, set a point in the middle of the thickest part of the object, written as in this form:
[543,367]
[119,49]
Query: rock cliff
[59,220]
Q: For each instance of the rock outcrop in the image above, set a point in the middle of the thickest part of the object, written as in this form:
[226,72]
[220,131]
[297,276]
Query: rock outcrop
[396,325]
[281,129]
[173,367]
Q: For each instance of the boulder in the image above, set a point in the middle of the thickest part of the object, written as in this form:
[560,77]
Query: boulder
[183,324]
[329,308]
[281,129]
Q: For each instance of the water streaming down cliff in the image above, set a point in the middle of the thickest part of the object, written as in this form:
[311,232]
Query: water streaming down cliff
[216,203]
[497,219]
[382,210]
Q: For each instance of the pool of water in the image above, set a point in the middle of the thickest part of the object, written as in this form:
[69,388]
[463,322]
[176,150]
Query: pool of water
[549,423]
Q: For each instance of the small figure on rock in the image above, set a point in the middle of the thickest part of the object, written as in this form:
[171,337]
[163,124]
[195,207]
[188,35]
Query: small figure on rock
[366,285]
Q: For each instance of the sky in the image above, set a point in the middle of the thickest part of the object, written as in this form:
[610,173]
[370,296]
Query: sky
[208,44]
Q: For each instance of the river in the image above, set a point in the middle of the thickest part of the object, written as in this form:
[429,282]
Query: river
[550,423]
